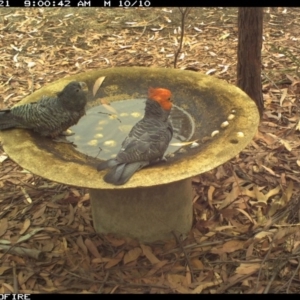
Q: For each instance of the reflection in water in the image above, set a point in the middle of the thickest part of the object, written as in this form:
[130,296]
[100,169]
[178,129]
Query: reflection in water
[100,133]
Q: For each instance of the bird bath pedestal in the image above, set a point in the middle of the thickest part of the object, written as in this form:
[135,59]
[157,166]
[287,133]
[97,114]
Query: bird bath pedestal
[157,200]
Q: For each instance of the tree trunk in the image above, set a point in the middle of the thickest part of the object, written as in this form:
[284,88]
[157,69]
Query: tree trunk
[250,30]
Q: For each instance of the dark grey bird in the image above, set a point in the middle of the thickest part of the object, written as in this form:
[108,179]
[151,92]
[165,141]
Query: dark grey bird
[50,116]
[147,141]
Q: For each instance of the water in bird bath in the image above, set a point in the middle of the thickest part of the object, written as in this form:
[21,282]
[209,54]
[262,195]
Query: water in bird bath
[102,130]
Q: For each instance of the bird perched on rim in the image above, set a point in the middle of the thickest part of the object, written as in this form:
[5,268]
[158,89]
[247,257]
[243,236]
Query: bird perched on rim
[49,116]
[147,141]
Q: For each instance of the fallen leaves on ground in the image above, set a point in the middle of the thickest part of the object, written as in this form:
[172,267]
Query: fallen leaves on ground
[245,237]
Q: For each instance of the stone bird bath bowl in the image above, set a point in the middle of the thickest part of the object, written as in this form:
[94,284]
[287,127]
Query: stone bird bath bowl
[156,200]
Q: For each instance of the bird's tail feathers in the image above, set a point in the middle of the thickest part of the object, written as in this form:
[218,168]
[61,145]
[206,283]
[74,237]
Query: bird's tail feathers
[6,120]
[107,164]
[113,176]
[120,174]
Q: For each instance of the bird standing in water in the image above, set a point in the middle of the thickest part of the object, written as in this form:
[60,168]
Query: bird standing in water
[147,141]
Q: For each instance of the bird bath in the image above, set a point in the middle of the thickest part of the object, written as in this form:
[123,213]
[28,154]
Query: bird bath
[156,200]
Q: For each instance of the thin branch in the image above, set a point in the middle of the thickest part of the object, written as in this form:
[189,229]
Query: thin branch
[262,264]
[15,279]
[267,288]
[184,13]
[100,290]
[185,255]
[103,113]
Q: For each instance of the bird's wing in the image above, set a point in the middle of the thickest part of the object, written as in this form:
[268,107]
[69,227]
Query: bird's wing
[147,141]
[136,145]
[53,117]
[165,137]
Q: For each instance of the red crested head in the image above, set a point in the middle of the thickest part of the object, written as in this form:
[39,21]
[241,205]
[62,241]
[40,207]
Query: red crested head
[162,96]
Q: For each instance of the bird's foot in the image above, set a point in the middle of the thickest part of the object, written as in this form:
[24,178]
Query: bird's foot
[164,159]
[158,161]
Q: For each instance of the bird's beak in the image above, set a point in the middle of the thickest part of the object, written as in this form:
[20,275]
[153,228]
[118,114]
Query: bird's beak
[84,86]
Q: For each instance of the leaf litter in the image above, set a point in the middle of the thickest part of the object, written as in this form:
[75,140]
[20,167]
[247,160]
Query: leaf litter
[245,237]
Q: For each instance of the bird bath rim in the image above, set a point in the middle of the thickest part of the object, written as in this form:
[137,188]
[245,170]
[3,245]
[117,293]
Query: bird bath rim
[72,168]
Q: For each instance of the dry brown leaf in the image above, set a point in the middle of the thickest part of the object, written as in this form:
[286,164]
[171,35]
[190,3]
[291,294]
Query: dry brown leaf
[247,268]
[273,192]
[250,193]
[75,192]
[182,144]
[92,248]
[40,212]
[23,277]
[114,241]
[287,194]
[71,215]
[49,282]
[9,287]
[158,29]
[53,205]
[196,263]
[210,71]
[114,261]
[260,197]
[167,19]
[247,215]
[283,96]
[5,242]
[3,269]
[270,171]
[178,283]
[188,276]
[286,144]
[298,126]
[268,138]
[221,228]
[156,267]
[109,108]
[260,217]
[204,285]
[132,255]
[81,245]
[149,254]
[27,236]
[3,226]
[231,197]
[101,260]
[26,225]
[49,289]
[210,192]
[281,233]
[65,243]
[280,118]
[84,198]
[263,234]
[228,247]
[48,246]
[97,84]
[224,36]
[249,251]
[3,158]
